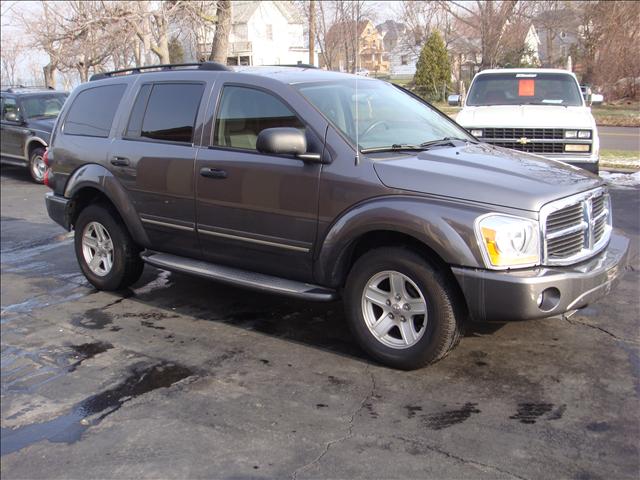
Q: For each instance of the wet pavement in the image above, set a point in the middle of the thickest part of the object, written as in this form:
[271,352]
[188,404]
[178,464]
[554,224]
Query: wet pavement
[179,377]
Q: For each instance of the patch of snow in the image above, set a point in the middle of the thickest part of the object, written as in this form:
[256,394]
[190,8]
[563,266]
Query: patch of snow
[621,180]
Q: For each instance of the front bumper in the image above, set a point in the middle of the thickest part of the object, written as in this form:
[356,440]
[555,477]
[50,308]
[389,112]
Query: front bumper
[58,209]
[513,295]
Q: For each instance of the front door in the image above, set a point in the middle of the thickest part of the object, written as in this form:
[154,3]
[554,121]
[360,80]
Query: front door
[13,132]
[256,211]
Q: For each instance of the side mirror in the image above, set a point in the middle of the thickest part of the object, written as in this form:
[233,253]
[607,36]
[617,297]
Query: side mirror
[454,100]
[597,99]
[12,117]
[285,141]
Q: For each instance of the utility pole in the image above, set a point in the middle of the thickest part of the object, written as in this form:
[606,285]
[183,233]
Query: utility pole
[312,31]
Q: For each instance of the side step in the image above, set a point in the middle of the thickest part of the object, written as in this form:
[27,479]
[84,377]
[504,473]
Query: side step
[242,278]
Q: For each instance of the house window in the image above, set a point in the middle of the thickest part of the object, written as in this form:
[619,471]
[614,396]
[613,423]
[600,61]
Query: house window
[269,32]
[404,59]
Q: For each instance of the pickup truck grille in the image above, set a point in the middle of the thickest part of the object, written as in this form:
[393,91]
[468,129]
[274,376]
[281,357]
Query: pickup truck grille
[543,141]
[576,228]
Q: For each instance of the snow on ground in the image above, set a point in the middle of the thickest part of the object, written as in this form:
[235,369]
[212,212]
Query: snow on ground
[621,180]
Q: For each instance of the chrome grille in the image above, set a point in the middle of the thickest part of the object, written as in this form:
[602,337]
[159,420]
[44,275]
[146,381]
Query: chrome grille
[575,228]
[515,133]
[542,141]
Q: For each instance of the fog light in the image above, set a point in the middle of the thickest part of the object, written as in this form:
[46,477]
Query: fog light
[576,148]
[548,299]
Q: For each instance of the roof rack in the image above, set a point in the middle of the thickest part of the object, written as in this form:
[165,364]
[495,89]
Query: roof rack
[298,65]
[15,88]
[211,66]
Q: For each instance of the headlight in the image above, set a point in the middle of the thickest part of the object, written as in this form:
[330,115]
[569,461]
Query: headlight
[570,134]
[569,147]
[508,241]
[476,133]
[584,134]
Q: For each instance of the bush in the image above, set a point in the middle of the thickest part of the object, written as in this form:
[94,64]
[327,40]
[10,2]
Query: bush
[433,70]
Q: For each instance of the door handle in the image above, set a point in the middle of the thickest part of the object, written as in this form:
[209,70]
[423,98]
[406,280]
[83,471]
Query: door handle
[213,173]
[120,161]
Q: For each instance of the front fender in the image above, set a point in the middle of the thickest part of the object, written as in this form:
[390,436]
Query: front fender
[96,176]
[444,226]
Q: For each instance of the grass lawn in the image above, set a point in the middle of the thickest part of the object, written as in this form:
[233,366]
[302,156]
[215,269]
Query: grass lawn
[620,159]
[624,115]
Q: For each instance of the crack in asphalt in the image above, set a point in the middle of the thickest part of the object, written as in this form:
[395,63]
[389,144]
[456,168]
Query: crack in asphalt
[349,434]
[603,330]
[463,460]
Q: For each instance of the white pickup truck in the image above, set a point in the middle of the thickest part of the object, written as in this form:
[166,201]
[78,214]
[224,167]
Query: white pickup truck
[535,110]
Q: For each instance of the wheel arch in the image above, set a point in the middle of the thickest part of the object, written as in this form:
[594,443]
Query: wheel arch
[93,183]
[31,144]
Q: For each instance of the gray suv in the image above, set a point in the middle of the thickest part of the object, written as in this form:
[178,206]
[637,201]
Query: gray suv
[321,185]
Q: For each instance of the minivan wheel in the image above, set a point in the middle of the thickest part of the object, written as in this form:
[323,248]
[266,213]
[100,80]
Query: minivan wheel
[108,256]
[401,310]
[37,167]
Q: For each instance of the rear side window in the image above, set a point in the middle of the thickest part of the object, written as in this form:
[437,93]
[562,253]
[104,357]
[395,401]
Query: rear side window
[170,113]
[245,112]
[92,111]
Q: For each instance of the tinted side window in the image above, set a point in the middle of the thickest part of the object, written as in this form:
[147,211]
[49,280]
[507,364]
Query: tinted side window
[134,129]
[245,112]
[92,111]
[171,111]
[9,107]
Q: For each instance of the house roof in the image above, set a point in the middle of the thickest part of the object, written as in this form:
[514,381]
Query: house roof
[339,31]
[241,12]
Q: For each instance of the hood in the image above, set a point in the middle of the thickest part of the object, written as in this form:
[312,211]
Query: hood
[42,124]
[487,174]
[526,116]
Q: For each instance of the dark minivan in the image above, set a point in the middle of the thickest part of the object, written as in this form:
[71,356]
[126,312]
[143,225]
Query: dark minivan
[321,185]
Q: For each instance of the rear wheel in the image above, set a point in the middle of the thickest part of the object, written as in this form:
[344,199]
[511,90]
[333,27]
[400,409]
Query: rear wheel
[37,167]
[108,256]
[401,309]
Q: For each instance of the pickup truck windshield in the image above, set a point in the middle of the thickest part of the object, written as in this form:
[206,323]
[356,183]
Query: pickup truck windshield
[378,114]
[524,89]
[42,106]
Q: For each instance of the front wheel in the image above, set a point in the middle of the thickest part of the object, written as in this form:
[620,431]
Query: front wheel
[108,256]
[402,310]
[37,167]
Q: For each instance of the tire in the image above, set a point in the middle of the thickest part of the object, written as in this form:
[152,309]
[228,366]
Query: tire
[431,336]
[37,166]
[123,266]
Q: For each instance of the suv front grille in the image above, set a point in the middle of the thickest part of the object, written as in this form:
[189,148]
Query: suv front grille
[575,228]
[542,141]
[516,133]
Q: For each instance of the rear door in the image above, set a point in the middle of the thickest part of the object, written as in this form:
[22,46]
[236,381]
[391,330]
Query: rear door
[256,211]
[154,159]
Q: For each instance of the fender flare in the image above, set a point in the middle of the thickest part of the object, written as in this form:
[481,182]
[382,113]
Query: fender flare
[444,226]
[98,177]
[29,141]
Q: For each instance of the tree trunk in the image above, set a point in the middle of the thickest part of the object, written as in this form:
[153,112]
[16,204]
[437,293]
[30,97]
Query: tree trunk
[220,44]
[312,31]
[49,75]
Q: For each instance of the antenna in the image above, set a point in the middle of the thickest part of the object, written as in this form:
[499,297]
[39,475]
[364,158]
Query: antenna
[357,56]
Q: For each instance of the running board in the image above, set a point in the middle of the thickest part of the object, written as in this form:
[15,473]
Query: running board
[242,278]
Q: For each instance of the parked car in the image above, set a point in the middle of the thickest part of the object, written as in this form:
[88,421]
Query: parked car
[262,178]
[363,72]
[533,110]
[591,98]
[28,115]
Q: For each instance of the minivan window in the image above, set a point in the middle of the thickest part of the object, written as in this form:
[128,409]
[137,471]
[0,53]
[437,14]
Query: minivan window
[171,112]
[245,112]
[92,111]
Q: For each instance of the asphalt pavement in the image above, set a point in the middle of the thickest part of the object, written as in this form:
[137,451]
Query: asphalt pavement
[179,377]
[620,138]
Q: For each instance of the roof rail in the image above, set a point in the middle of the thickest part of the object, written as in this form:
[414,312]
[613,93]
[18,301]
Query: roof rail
[211,66]
[298,65]
[15,88]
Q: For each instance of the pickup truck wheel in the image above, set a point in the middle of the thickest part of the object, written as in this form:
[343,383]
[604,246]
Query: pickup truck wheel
[401,310]
[108,256]
[37,167]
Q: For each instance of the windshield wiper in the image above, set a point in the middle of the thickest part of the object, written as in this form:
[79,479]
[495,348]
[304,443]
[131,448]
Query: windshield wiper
[443,141]
[396,147]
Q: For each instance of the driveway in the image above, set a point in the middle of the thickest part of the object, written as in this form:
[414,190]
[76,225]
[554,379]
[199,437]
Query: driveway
[180,377]
[620,138]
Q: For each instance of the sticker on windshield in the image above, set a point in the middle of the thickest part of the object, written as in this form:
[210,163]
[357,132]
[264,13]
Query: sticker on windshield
[526,75]
[526,88]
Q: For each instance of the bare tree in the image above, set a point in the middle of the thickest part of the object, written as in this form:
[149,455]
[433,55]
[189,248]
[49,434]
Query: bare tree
[220,45]
[12,51]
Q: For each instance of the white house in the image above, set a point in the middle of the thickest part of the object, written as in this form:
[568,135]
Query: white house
[262,33]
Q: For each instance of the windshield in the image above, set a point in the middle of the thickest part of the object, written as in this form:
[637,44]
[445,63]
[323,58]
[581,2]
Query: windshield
[386,116]
[42,106]
[524,89]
